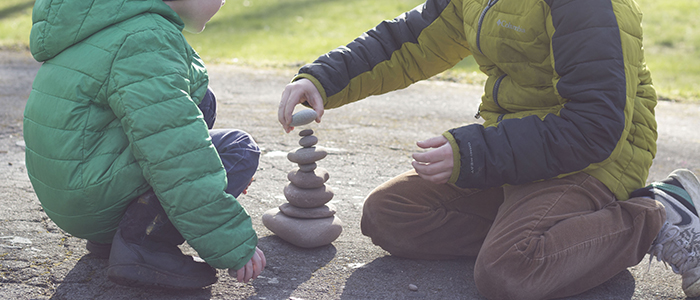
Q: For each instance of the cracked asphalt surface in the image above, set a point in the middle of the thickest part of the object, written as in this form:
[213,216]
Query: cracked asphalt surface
[369,142]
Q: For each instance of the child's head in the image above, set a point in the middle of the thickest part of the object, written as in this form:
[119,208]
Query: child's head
[195,13]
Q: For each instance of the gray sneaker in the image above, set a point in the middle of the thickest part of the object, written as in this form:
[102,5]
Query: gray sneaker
[678,242]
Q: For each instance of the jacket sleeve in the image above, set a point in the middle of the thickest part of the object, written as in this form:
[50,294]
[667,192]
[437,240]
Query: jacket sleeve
[150,94]
[414,46]
[590,77]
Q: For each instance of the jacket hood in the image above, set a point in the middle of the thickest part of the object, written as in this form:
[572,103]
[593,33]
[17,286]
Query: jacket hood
[59,24]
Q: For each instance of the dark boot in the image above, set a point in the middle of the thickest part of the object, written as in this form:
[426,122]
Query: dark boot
[145,251]
[98,250]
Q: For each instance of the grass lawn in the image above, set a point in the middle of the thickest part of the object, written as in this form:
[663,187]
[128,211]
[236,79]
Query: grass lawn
[289,33]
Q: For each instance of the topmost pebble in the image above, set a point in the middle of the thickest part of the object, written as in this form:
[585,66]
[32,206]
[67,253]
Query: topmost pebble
[303,117]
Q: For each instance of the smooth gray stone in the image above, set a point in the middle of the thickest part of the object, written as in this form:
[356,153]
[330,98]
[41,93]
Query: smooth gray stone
[303,117]
[308,198]
[308,141]
[325,211]
[306,132]
[304,156]
[307,167]
[305,233]
[308,180]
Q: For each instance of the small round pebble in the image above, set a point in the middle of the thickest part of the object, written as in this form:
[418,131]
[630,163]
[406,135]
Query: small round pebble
[306,132]
[308,141]
[413,287]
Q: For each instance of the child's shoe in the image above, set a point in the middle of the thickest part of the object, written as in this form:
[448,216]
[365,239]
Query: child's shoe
[98,250]
[678,242]
[145,251]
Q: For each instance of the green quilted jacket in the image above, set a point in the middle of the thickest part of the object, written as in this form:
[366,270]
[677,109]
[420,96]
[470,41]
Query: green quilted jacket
[113,112]
[568,89]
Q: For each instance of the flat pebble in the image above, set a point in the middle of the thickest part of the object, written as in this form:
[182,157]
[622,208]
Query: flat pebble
[412,287]
[325,211]
[308,198]
[303,117]
[306,132]
[308,155]
[308,180]
[308,141]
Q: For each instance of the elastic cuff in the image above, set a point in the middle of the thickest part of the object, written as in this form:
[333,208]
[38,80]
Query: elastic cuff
[457,163]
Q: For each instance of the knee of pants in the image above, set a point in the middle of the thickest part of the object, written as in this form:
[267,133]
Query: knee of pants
[376,214]
[496,278]
[373,225]
[240,156]
[390,223]
[492,284]
[369,215]
[208,108]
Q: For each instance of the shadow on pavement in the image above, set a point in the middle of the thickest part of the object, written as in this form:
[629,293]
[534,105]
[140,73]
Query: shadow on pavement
[415,279]
[288,267]
[620,287]
[88,280]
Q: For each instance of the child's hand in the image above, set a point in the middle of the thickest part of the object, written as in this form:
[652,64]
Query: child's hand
[300,91]
[435,165]
[252,269]
[245,191]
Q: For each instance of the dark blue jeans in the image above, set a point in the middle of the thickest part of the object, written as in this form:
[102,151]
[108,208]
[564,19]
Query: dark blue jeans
[238,151]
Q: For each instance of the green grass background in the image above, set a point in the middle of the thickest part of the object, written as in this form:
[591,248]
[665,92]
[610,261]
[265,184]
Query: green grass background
[289,33]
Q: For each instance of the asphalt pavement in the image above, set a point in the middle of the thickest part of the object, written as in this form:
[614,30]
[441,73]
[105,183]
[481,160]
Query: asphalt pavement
[369,142]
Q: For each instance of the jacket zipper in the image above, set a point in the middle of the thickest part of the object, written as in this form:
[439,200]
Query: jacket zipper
[496,86]
[481,20]
[478,46]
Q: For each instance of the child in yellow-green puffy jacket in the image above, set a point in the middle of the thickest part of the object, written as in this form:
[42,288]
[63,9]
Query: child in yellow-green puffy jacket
[548,193]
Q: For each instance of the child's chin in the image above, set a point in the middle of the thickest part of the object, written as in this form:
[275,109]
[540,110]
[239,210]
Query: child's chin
[194,30]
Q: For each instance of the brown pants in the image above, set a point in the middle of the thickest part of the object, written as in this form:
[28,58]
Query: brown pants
[548,239]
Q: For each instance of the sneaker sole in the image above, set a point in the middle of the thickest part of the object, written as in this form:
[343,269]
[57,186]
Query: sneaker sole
[692,290]
[136,275]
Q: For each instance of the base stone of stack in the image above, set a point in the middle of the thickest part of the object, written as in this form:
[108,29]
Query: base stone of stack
[305,233]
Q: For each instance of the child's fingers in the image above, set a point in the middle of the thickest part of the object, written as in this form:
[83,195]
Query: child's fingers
[240,274]
[261,261]
[248,272]
[435,173]
[433,142]
[262,256]
[290,98]
[281,117]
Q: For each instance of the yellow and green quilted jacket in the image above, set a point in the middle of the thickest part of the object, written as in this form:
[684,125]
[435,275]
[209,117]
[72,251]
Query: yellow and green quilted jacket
[568,89]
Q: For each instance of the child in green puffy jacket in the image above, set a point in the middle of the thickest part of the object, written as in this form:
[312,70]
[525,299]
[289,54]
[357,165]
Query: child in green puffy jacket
[120,149]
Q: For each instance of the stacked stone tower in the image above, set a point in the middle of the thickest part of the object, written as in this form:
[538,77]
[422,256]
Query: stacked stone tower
[306,220]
